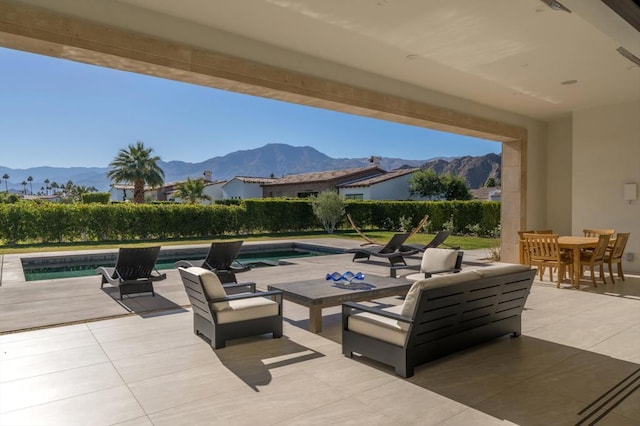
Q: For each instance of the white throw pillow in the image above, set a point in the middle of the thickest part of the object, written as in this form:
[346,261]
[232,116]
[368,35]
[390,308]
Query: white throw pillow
[409,305]
[436,259]
[211,285]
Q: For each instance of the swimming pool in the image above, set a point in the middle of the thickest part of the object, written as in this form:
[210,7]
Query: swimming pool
[83,265]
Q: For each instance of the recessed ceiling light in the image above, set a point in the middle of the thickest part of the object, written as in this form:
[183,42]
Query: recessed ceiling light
[412,57]
[555,5]
[568,82]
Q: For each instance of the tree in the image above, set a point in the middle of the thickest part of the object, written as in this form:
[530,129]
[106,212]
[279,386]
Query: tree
[30,180]
[328,208]
[426,183]
[490,183]
[6,178]
[136,165]
[24,187]
[46,185]
[455,188]
[192,190]
[54,187]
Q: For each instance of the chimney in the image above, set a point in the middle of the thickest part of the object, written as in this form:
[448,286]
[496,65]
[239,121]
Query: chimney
[207,175]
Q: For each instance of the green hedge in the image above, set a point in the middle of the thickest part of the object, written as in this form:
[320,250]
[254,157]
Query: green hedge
[54,222]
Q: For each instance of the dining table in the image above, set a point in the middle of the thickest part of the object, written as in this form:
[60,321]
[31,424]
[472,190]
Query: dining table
[575,244]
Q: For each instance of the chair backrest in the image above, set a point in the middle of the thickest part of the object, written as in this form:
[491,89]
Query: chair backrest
[222,254]
[544,231]
[395,243]
[619,245]
[438,239]
[436,259]
[597,232]
[521,233]
[542,247]
[136,263]
[601,247]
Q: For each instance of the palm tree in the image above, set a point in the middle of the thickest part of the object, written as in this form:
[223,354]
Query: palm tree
[30,180]
[24,187]
[46,185]
[136,165]
[192,190]
[6,178]
[54,186]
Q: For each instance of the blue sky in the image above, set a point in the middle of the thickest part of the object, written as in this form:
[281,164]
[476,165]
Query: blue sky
[61,113]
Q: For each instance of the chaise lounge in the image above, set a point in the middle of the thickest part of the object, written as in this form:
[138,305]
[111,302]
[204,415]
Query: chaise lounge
[392,251]
[135,271]
[221,259]
[440,315]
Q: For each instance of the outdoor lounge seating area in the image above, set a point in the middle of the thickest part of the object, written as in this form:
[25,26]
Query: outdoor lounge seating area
[152,366]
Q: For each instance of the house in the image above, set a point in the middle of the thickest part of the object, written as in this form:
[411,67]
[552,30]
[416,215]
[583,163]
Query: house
[310,184]
[392,185]
[515,74]
[243,187]
[486,194]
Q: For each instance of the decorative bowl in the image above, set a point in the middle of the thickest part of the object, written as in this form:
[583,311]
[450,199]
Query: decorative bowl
[347,276]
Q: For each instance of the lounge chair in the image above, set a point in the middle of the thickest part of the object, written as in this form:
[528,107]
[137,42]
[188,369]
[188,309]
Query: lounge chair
[220,316]
[437,241]
[393,251]
[221,259]
[135,271]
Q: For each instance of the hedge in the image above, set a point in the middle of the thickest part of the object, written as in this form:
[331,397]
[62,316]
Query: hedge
[54,222]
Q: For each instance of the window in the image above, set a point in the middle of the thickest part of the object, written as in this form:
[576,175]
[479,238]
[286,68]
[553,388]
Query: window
[354,197]
[307,194]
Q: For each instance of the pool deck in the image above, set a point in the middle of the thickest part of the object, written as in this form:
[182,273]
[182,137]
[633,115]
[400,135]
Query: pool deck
[70,353]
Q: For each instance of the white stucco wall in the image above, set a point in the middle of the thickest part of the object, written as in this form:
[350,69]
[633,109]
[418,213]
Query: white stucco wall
[237,189]
[606,155]
[392,189]
[559,176]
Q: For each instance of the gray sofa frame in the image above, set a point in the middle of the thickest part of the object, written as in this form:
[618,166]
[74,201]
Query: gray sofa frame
[204,319]
[447,319]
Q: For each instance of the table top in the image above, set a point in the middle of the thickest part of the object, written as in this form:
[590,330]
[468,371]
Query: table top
[570,239]
[325,292]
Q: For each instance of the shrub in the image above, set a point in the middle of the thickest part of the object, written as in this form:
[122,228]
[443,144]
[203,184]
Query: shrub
[329,209]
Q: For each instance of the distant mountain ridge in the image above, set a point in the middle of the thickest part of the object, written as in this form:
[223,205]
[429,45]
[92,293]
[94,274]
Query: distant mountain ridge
[276,159]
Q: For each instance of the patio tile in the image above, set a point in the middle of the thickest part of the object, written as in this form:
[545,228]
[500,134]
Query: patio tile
[344,412]
[48,343]
[153,342]
[33,391]
[624,345]
[105,407]
[46,363]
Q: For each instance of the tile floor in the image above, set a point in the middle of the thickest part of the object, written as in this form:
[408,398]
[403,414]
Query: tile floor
[151,369]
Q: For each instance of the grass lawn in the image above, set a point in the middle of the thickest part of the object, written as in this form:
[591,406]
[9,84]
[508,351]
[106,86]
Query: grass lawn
[465,242]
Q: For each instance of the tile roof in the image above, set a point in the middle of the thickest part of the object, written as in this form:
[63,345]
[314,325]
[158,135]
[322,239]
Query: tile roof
[252,179]
[379,178]
[323,176]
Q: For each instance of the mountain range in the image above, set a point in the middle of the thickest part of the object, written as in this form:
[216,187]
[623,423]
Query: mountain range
[270,160]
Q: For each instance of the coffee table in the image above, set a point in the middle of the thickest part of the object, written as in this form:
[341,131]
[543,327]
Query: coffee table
[320,293]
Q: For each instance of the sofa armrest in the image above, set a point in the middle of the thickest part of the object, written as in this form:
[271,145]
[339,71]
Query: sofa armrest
[349,307]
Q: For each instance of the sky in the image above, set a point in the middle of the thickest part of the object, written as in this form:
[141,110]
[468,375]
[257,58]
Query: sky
[60,113]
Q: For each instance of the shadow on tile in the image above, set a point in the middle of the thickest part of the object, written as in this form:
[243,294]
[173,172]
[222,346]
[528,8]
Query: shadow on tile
[251,359]
[143,303]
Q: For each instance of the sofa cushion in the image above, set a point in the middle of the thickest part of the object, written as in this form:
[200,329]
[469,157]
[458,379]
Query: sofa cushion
[409,305]
[211,285]
[244,309]
[436,259]
[502,269]
[379,327]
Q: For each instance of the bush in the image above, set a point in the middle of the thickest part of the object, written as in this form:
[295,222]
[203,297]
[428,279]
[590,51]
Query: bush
[328,208]
[96,197]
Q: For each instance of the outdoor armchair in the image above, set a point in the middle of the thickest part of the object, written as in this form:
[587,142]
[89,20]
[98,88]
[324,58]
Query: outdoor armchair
[220,316]
[134,272]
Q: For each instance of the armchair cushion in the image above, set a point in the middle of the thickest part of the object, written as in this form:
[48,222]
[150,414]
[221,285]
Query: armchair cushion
[244,309]
[409,305]
[436,259]
[379,327]
[212,286]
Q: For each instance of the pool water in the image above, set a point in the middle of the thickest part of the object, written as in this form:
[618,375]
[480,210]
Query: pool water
[260,259]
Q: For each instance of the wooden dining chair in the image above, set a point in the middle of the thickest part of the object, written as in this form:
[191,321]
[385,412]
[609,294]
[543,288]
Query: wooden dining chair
[543,252]
[614,255]
[595,257]
[597,232]
[524,258]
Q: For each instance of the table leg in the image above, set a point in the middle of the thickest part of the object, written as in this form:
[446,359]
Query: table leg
[576,267]
[315,318]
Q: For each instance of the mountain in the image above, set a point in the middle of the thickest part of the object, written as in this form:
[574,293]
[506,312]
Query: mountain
[475,170]
[276,159]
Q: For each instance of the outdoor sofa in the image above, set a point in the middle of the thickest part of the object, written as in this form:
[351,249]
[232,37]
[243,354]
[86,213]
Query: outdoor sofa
[440,315]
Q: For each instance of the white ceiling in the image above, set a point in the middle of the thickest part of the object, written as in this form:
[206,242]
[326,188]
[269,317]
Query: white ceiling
[509,54]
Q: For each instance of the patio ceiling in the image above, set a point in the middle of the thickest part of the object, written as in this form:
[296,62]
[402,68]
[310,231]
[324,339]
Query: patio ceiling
[512,55]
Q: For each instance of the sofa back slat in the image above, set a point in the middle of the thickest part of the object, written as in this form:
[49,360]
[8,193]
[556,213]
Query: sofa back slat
[196,295]
[442,311]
